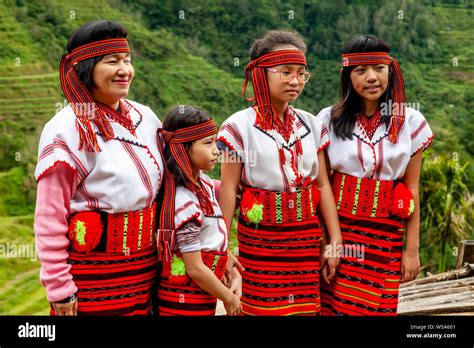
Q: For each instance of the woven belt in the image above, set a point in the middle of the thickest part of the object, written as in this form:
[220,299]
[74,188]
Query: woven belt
[283,207]
[362,197]
[175,271]
[119,233]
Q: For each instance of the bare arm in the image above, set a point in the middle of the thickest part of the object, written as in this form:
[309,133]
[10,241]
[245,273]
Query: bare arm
[207,281]
[410,259]
[328,206]
[230,181]
[331,221]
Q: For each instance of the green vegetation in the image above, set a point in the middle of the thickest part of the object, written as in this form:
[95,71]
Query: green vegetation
[187,51]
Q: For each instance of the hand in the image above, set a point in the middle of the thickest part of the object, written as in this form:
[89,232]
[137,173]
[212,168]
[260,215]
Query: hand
[329,272]
[236,284]
[229,269]
[232,305]
[322,252]
[410,265]
[329,259]
[65,309]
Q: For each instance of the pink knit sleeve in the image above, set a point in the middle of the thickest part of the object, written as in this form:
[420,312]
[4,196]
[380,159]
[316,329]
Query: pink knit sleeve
[55,189]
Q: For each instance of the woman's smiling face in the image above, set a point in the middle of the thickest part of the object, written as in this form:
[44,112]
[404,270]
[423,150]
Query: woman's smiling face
[112,76]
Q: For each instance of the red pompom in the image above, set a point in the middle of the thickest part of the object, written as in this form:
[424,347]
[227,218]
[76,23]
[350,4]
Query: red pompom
[403,204]
[85,231]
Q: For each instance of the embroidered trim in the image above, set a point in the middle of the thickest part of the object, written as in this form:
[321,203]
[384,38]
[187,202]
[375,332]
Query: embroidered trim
[425,146]
[288,146]
[232,132]
[356,199]
[322,147]
[194,216]
[376,198]
[126,251]
[46,170]
[226,143]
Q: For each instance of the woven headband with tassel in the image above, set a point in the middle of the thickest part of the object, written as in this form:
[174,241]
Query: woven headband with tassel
[175,140]
[398,98]
[79,97]
[263,106]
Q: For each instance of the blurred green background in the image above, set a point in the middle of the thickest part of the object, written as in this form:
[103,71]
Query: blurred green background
[195,51]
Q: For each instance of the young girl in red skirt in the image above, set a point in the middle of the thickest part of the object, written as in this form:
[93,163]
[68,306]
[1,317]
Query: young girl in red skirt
[193,234]
[273,156]
[375,155]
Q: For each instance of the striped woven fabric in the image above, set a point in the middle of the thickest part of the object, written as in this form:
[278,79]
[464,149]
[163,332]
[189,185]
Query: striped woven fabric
[281,263]
[291,206]
[366,282]
[361,196]
[189,299]
[110,284]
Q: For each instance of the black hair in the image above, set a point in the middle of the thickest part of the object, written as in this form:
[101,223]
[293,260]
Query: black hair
[181,116]
[276,38]
[350,103]
[92,32]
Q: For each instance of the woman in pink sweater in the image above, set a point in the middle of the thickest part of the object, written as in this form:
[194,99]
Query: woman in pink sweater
[99,171]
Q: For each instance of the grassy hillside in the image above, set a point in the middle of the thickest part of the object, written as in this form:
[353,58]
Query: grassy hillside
[193,61]
[20,291]
[425,36]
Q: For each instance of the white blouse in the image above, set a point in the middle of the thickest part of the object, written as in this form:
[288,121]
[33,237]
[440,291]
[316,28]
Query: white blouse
[126,175]
[213,228]
[258,149]
[377,157]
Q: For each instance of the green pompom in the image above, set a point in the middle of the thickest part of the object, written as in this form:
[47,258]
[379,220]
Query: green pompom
[177,266]
[255,214]
[412,207]
[80,229]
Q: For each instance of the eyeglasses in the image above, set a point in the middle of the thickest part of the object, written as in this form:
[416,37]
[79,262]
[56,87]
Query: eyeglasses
[287,76]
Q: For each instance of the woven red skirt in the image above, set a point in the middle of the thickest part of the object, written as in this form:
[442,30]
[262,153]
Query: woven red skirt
[281,255]
[114,285]
[368,277]
[189,299]
[117,275]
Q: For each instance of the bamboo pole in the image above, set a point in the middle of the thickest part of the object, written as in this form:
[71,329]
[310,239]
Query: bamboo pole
[420,306]
[437,286]
[444,309]
[466,271]
[433,293]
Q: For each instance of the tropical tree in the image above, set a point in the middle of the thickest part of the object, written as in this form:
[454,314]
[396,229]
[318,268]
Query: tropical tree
[447,203]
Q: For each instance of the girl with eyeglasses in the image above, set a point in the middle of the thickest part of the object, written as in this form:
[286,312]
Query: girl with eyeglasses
[272,156]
